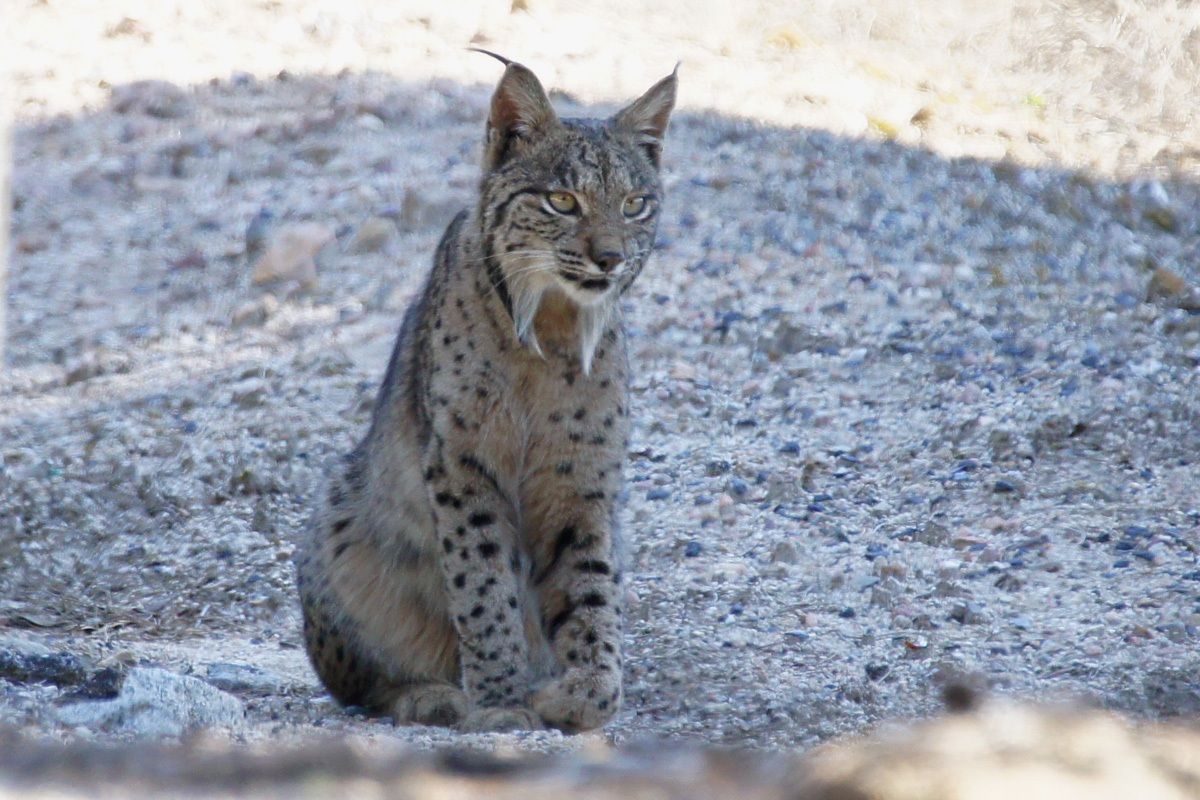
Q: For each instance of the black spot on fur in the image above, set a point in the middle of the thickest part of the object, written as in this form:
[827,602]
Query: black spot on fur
[481,519]
[593,600]
[460,580]
[342,524]
[488,549]
[477,612]
[593,567]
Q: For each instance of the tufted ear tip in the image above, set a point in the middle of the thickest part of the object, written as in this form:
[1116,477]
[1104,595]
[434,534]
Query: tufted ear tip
[519,110]
[648,116]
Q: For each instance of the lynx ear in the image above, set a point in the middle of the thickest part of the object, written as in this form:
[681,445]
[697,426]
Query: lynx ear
[646,118]
[520,110]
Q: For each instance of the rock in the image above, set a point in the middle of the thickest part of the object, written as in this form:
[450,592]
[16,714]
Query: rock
[785,553]
[1169,288]
[291,254]
[155,703]
[244,678]
[318,154]
[970,613]
[250,393]
[255,312]
[789,339]
[151,97]
[24,660]
[372,235]
[256,232]
[84,369]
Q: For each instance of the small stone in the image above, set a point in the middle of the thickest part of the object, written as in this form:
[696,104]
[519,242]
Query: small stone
[683,371]
[658,494]
[291,255]
[785,553]
[256,232]
[372,235]
[244,678]
[318,154]
[877,671]
[847,613]
[26,661]
[84,369]
[250,393]
[969,613]
[1169,288]
[151,97]
[255,312]
[933,533]
[693,549]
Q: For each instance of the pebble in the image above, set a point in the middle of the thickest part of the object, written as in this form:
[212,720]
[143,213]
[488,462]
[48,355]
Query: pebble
[1170,288]
[372,235]
[257,231]
[658,494]
[244,678]
[693,549]
[784,553]
[291,254]
[255,312]
[154,98]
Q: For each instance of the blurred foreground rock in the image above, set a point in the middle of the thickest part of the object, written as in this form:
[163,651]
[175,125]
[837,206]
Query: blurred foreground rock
[155,703]
[1000,751]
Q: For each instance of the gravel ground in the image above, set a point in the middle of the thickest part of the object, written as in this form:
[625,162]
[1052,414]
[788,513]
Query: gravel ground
[917,360]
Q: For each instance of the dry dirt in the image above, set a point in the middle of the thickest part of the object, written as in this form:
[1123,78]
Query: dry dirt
[917,358]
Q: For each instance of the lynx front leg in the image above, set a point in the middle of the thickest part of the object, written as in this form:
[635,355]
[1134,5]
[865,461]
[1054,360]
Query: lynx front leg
[579,586]
[480,561]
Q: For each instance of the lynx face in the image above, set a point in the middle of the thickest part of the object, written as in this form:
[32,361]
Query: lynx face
[586,232]
[569,205]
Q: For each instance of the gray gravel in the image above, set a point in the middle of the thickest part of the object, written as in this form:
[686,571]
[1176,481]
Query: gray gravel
[902,414]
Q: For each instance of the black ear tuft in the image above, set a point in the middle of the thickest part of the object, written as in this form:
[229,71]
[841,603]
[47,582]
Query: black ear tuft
[647,117]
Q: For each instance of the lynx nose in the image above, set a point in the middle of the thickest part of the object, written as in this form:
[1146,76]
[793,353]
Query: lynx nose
[606,255]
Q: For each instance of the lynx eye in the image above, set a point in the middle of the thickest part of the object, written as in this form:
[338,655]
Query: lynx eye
[634,206]
[562,202]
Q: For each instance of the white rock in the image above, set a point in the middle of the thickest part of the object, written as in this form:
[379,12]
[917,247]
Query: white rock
[155,703]
[291,254]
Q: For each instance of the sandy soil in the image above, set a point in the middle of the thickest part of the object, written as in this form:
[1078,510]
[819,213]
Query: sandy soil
[917,359]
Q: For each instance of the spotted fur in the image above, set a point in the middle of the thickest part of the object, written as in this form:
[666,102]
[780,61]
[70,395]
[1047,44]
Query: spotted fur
[464,567]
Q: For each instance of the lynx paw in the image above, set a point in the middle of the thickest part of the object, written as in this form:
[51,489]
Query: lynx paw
[579,700]
[494,720]
[430,704]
